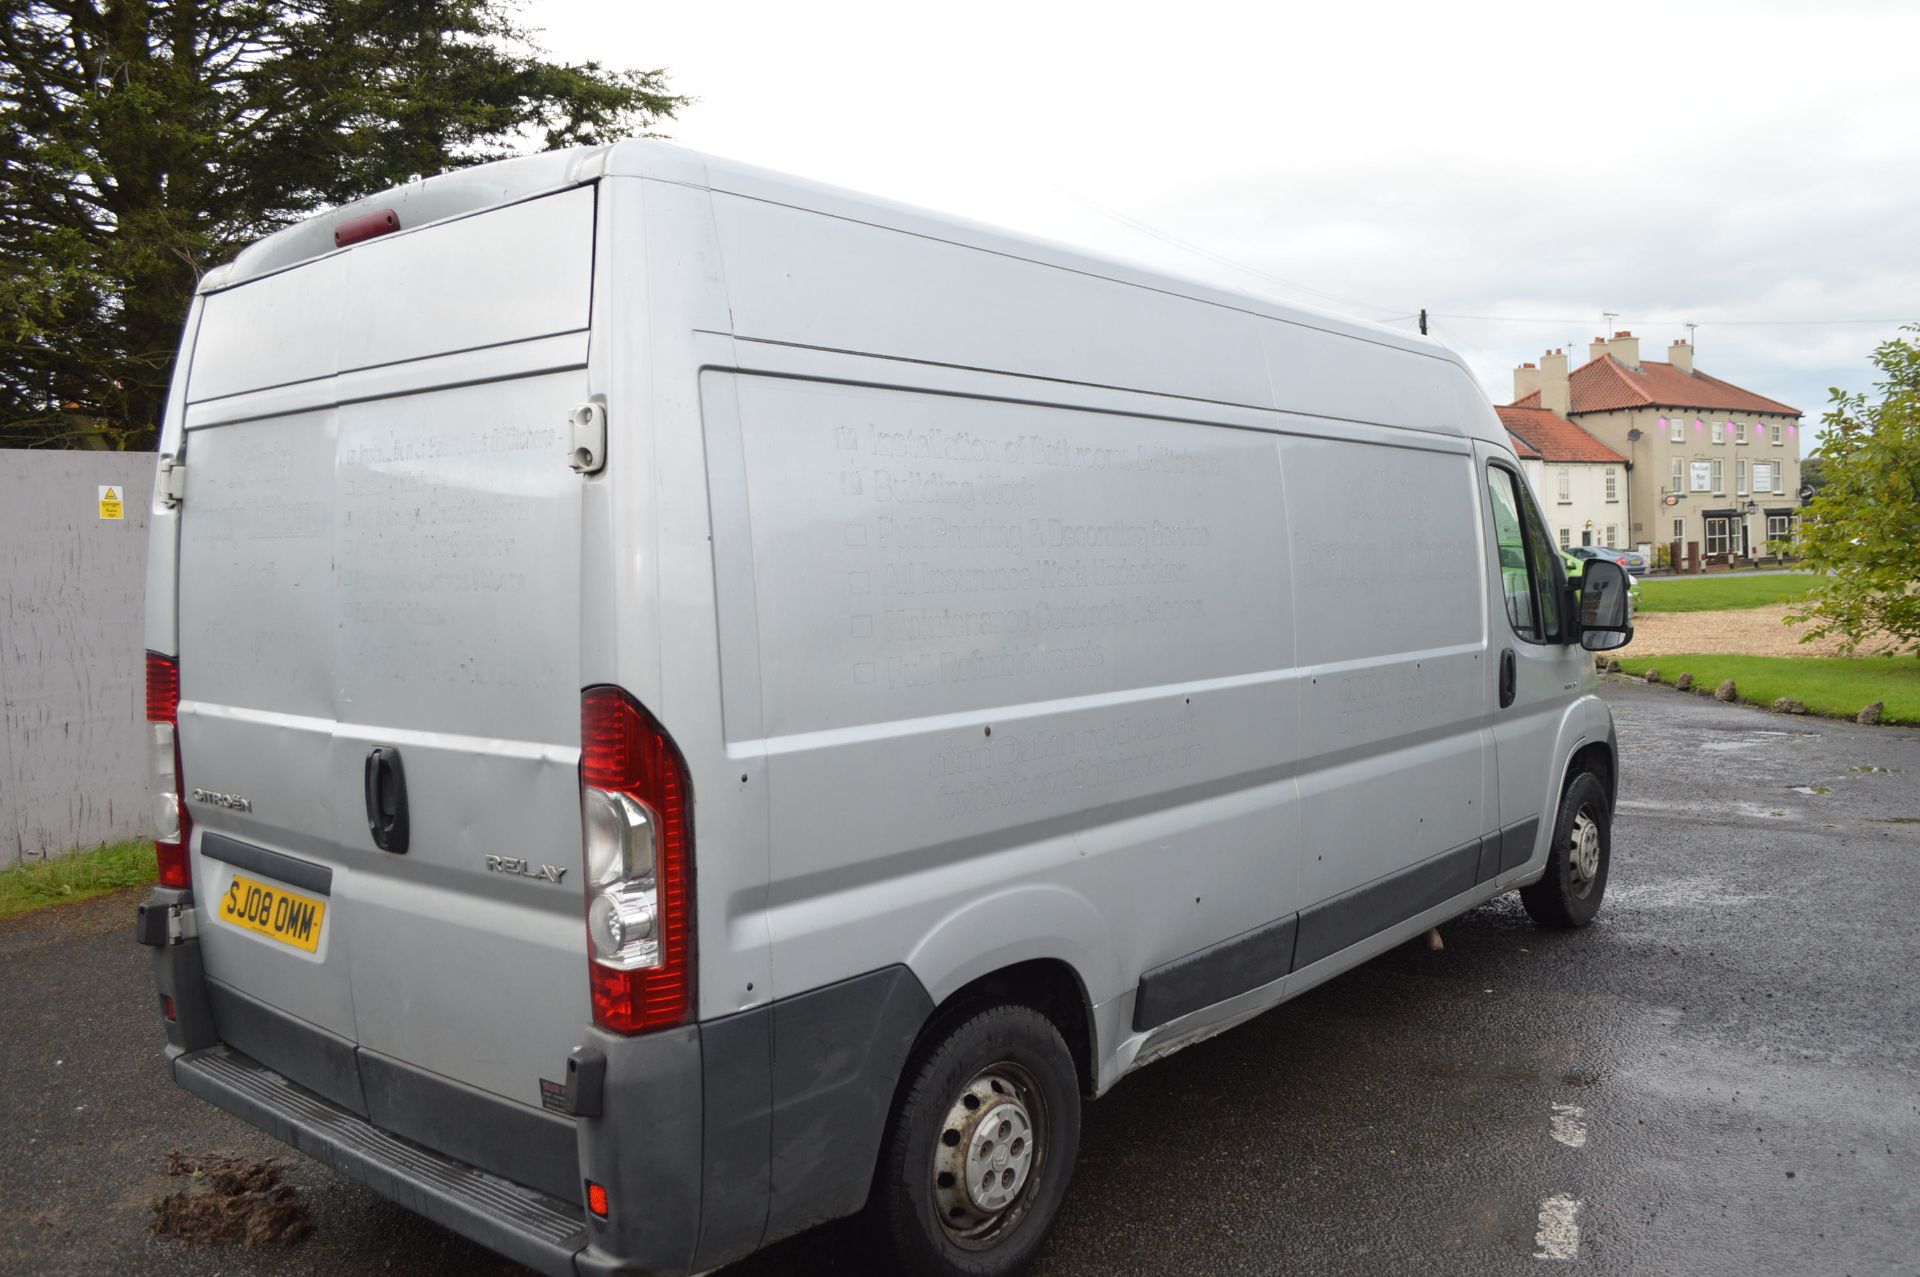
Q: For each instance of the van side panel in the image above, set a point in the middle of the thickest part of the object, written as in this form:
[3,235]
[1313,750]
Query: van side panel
[837,284]
[1050,651]
[1390,607]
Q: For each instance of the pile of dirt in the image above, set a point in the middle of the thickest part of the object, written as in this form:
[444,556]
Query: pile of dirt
[231,1201]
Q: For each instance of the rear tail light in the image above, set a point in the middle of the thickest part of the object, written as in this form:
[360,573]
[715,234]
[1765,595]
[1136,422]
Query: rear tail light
[636,809]
[172,827]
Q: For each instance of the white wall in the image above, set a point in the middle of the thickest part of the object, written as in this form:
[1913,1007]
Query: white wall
[1587,503]
[72,670]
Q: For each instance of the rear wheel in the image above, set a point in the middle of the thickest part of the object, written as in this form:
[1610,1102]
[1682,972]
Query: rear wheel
[1569,892]
[980,1149]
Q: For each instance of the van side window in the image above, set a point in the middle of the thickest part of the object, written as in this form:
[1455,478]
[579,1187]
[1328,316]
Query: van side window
[1530,573]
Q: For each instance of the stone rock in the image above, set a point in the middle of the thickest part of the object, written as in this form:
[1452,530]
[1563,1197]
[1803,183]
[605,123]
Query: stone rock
[1726,692]
[1613,666]
[1787,705]
[1871,714]
[1684,683]
[1653,676]
[1600,661]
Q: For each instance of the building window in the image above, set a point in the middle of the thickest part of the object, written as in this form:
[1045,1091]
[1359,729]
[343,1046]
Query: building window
[1613,484]
[1566,486]
[1719,475]
[1739,432]
[1762,475]
[1719,535]
[1677,430]
[1740,476]
[1780,479]
[1679,474]
[1566,538]
[1719,432]
[1779,527]
[1679,529]
[1776,436]
[1613,534]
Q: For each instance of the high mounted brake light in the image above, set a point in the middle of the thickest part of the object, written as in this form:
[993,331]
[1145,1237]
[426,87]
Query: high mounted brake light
[379,222]
[172,827]
[636,815]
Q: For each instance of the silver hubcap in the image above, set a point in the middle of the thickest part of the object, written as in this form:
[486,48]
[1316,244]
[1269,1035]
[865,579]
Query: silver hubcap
[986,1153]
[1584,853]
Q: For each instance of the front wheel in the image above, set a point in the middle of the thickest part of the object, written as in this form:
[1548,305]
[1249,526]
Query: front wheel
[1568,893]
[980,1148]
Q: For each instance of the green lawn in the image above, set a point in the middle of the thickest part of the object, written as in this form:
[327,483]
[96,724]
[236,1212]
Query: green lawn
[1837,686]
[1714,593]
[76,877]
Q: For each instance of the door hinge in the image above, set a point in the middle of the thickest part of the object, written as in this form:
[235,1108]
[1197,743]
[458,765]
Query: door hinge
[173,482]
[587,437]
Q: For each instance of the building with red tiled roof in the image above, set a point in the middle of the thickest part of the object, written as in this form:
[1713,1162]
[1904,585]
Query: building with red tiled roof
[1579,481]
[1710,464]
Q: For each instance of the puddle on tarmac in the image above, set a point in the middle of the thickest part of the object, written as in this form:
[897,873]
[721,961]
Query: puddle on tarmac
[1893,820]
[1870,770]
[1810,789]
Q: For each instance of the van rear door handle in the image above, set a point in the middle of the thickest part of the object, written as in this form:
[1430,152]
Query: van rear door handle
[386,787]
[1508,677]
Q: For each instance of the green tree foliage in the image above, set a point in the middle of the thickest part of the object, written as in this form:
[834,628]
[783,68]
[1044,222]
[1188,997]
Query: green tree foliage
[147,140]
[1863,526]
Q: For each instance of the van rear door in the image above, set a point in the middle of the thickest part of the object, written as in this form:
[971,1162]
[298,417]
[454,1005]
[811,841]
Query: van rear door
[379,551]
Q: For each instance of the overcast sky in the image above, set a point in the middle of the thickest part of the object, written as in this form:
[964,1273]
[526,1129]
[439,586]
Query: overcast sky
[1749,166]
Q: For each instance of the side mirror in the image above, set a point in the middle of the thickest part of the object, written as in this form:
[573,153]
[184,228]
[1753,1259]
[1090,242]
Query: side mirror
[1606,613]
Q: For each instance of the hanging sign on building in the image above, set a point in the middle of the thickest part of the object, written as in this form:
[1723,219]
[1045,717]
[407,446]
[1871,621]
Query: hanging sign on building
[1700,476]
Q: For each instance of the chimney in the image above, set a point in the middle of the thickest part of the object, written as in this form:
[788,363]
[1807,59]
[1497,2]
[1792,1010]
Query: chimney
[1596,348]
[1626,348]
[1680,355]
[1555,394]
[1526,380]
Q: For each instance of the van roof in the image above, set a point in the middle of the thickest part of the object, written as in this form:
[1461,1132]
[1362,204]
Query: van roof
[471,190]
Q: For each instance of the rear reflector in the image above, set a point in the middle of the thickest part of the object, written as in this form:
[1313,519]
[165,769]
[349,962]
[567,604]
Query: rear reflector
[379,222]
[596,1199]
[166,1008]
[172,827]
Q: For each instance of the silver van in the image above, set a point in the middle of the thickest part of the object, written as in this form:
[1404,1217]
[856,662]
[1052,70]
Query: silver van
[686,704]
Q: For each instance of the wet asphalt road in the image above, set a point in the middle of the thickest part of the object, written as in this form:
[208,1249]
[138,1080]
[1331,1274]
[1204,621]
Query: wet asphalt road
[1740,1033]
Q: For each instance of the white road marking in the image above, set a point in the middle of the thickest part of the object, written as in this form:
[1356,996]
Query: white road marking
[1569,1125]
[1558,1236]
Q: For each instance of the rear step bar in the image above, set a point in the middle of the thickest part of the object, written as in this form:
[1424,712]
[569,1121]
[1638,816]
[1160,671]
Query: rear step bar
[524,1224]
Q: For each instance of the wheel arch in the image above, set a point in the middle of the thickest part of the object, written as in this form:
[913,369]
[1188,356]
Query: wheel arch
[1048,985]
[1600,758]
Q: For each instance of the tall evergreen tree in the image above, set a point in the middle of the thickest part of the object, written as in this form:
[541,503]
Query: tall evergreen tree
[147,140]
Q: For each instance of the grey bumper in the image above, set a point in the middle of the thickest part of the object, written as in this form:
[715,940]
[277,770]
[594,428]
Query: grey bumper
[541,1232]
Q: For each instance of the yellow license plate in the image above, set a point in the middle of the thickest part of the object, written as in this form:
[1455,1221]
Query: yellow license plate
[274,912]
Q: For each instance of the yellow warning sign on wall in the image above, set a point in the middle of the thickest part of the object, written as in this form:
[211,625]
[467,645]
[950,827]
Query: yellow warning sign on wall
[111,506]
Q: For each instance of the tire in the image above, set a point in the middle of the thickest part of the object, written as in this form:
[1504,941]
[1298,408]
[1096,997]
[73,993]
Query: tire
[993,1094]
[1569,892]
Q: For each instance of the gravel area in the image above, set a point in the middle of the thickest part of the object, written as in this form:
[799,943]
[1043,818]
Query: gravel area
[1751,631]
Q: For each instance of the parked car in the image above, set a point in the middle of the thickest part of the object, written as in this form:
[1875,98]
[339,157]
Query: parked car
[685,703]
[1632,560]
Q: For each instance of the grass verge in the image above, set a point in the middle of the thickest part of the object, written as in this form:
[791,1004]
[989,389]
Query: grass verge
[1836,686]
[1718,593]
[76,877]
